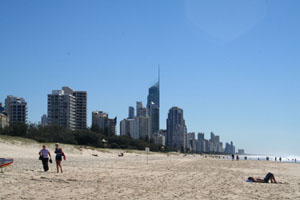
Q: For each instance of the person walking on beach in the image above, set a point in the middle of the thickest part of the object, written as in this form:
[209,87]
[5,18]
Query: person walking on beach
[232,156]
[58,158]
[280,159]
[44,156]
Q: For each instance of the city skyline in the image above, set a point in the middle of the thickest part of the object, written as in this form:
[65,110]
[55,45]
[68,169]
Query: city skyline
[241,84]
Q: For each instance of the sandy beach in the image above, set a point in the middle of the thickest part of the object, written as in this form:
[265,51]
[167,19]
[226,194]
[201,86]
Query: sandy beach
[108,176]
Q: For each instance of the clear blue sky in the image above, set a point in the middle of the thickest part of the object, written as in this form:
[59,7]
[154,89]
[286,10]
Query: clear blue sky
[233,66]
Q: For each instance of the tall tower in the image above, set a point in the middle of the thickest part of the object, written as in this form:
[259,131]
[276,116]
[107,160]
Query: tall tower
[176,129]
[153,103]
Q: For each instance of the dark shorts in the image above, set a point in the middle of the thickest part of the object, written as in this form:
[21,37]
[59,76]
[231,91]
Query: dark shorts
[58,158]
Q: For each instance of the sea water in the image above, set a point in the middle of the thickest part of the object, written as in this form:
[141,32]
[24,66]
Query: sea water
[290,159]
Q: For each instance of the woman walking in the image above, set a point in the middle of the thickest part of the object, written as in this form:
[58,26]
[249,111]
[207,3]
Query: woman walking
[44,156]
[59,154]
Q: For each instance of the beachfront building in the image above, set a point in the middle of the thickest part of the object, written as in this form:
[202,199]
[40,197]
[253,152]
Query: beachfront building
[4,119]
[176,130]
[131,112]
[153,113]
[44,120]
[1,108]
[229,148]
[241,151]
[62,108]
[190,140]
[68,108]
[81,109]
[101,120]
[16,109]
[140,109]
[215,144]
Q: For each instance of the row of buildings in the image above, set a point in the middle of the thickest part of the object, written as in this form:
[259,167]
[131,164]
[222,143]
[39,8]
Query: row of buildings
[68,108]
[144,123]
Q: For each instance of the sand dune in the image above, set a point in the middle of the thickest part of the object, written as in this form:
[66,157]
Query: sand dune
[165,177]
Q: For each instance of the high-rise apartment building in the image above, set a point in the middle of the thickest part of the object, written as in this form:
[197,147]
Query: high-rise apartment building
[16,109]
[131,112]
[44,120]
[68,108]
[105,124]
[4,120]
[153,113]
[62,108]
[176,129]
[153,108]
[140,109]
[81,109]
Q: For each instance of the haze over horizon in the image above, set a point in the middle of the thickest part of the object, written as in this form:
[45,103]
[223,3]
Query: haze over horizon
[232,66]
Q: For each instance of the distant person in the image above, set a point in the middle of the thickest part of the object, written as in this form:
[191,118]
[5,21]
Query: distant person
[269,177]
[232,156]
[280,159]
[245,158]
[267,158]
[295,160]
[44,156]
[275,159]
[58,158]
[237,157]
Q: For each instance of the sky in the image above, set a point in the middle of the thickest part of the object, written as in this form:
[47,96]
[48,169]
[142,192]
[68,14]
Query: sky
[232,66]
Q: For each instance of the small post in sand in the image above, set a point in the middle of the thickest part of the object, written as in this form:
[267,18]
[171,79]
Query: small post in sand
[147,149]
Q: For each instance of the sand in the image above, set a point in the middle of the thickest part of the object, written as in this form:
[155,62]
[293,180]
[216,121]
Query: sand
[130,177]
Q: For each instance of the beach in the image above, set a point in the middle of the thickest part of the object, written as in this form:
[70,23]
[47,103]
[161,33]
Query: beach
[101,174]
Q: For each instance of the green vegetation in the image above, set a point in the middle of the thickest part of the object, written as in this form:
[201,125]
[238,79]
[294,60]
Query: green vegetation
[91,137]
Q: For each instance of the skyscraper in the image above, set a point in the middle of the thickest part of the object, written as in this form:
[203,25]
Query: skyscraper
[153,112]
[153,107]
[16,109]
[101,120]
[153,95]
[68,108]
[176,129]
[140,109]
[62,108]
[130,112]
[81,109]
[44,120]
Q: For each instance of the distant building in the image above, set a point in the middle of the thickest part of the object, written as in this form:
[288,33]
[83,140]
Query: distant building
[153,107]
[16,109]
[176,129]
[216,145]
[190,136]
[153,111]
[140,109]
[80,109]
[4,120]
[101,120]
[229,148]
[131,112]
[159,139]
[153,95]
[1,108]
[200,136]
[62,108]
[125,127]
[241,151]
[44,120]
